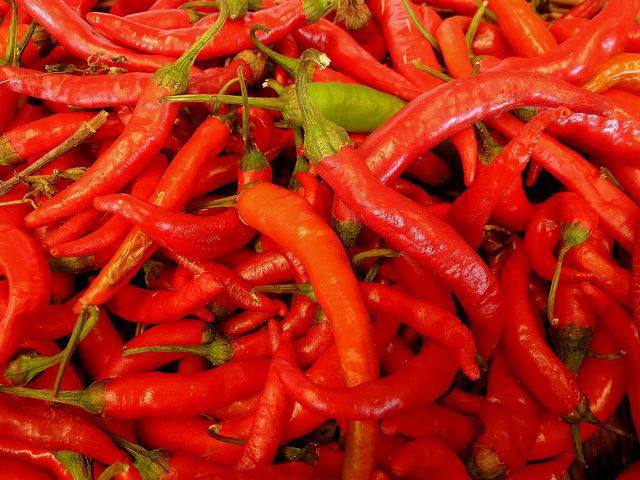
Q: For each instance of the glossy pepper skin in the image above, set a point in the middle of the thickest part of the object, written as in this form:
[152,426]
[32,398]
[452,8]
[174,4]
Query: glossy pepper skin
[21,260]
[291,221]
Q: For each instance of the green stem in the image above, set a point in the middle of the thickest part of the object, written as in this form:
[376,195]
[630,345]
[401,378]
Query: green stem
[89,399]
[27,364]
[373,253]
[218,352]
[225,202]
[112,470]
[11,57]
[152,464]
[259,102]
[176,77]
[432,71]
[288,63]
[296,288]
[307,454]
[430,38]
[473,27]
[554,284]
[89,316]
[75,265]
[301,164]
[80,466]
[252,160]
[322,137]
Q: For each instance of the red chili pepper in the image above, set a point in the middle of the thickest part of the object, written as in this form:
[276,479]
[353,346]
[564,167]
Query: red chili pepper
[415,385]
[383,210]
[114,229]
[510,416]
[214,236]
[41,459]
[237,290]
[81,40]
[579,176]
[555,386]
[341,48]
[405,43]
[388,152]
[462,402]
[264,437]
[188,435]
[142,138]
[140,305]
[419,314]
[39,425]
[454,429]
[432,454]
[533,360]
[136,395]
[625,333]
[21,260]
[164,19]
[603,382]
[18,144]
[233,39]
[265,206]
[430,168]
[608,276]
[172,192]
[527,33]
[470,211]
[545,230]
[187,332]
[576,58]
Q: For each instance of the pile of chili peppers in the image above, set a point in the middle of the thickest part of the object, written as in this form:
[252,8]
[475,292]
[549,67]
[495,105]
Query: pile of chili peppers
[285,239]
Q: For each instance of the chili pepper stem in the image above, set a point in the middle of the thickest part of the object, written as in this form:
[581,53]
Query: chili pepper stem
[87,399]
[322,137]
[218,352]
[175,77]
[27,365]
[86,130]
[288,63]
[307,454]
[152,464]
[87,319]
[299,289]
[112,470]
[572,234]
[583,414]
[266,103]
[430,38]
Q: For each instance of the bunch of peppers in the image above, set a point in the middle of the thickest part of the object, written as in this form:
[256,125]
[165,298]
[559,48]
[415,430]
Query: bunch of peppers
[305,239]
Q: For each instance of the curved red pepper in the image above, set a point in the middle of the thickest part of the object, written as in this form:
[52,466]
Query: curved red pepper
[21,260]
[195,237]
[288,218]
[471,210]
[415,385]
[576,58]
[82,41]
[510,416]
[233,39]
[544,232]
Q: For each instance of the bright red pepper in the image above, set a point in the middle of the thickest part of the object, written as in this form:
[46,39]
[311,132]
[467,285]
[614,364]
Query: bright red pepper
[575,59]
[21,260]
